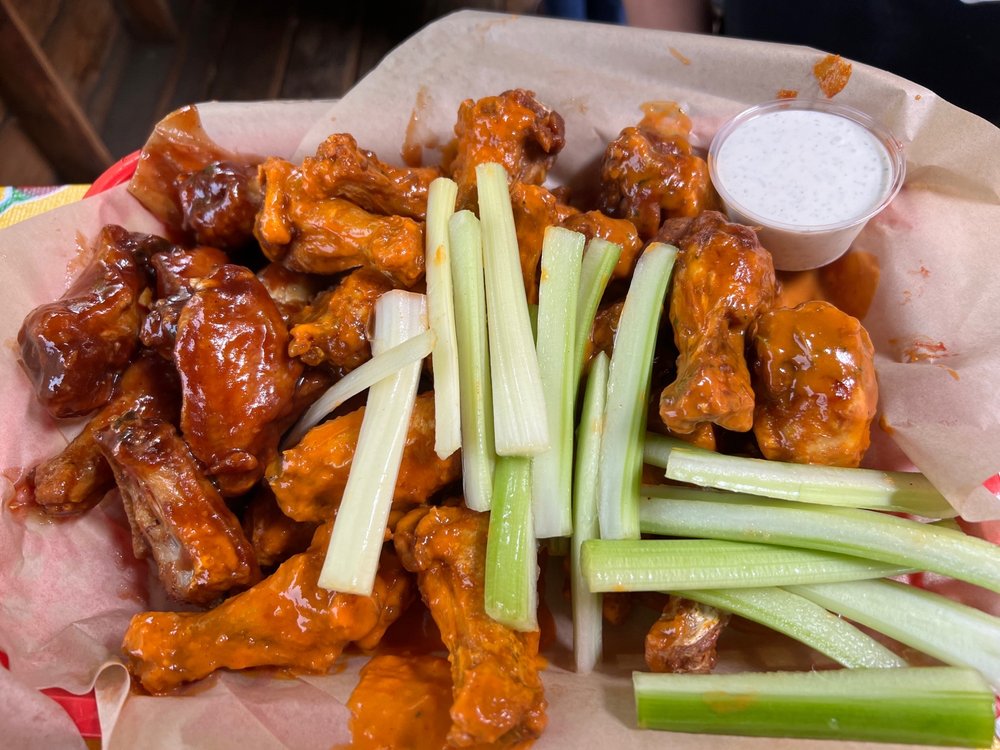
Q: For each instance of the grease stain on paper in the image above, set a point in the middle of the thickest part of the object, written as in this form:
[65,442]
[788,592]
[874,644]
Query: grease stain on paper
[418,135]
[680,56]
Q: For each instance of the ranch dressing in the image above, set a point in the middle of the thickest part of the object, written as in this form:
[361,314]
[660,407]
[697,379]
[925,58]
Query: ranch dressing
[804,168]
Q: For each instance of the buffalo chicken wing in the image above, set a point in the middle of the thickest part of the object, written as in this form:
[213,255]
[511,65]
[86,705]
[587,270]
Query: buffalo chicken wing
[684,637]
[498,696]
[722,281]
[287,620]
[814,374]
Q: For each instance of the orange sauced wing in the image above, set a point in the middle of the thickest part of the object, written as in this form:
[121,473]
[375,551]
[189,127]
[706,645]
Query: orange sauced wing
[684,637]
[498,696]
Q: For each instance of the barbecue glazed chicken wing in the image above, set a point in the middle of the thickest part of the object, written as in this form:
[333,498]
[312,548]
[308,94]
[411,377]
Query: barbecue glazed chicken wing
[334,328]
[219,204]
[684,637]
[513,129]
[176,514]
[814,376]
[237,380]
[308,479]
[78,478]
[329,235]
[286,621]
[74,349]
[723,279]
[292,291]
[342,170]
[649,173]
[498,695]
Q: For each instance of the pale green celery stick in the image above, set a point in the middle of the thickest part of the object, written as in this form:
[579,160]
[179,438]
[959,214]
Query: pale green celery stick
[519,418]
[902,492]
[681,564]
[848,531]
[914,705]
[947,630]
[441,197]
[511,554]
[379,367]
[587,607]
[552,471]
[476,389]
[599,260]
[628,393]
[803,620]
[359,529]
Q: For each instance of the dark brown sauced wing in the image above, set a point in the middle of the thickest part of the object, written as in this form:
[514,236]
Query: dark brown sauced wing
[237,380]
[328,236]
[78,478]
[75,348]
[176,514]
[308,479]
[498,695]
[722,281]
[513,129]
[334,329]
[286,620]
[341,169]
[814,375]
[219,203]
[292,291]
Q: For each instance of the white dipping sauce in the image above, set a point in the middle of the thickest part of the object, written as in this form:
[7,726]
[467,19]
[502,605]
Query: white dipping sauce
[804,168]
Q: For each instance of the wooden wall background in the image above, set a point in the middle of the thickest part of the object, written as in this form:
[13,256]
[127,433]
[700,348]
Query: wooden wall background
[126,67]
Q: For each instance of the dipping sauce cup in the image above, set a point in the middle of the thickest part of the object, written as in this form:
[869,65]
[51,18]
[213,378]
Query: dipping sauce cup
[808,174]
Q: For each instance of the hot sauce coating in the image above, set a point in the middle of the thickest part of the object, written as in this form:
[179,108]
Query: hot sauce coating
[308,479]
[514,130]
[498,695]
[237,380]
[722,280]
[176,514]
[814,373]
[76,479]
[286,621]
[74,349]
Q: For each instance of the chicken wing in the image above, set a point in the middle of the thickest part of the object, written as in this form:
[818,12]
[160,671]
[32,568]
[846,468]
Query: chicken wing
[621,232]
[75,480]
[814,375]
[327,236]
[514,130]
[684,638]
[176,514]
[292,291]
[342,170]
[308,480]
[219,203]
[237,380]
[74,349]
[649,173]
[176,272]
[498,695]
[334,328]
[286,621]
[273,535]
[722,281]
[602,333]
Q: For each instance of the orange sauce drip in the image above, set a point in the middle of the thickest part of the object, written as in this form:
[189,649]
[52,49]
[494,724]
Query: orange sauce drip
[786,94]
[680,56]
[832,74]
[413,149]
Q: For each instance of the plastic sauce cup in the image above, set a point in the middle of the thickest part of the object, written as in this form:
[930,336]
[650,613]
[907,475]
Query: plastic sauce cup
[807,174]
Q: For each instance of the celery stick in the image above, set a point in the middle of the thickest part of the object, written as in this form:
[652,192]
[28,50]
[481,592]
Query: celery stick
[599,260]
[587,607]
[628,394]
[903,492]
[947,630]
[682,564]
[519,418]
[917,705]
[511,556]
[441,197]
[552,471]
[359,529]
[375,369]
[849,531]
[476,389]
[803,620]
